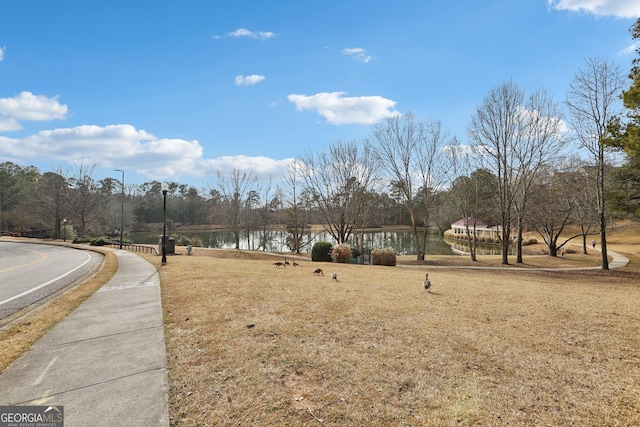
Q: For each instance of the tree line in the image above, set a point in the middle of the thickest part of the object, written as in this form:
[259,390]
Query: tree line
[520,168]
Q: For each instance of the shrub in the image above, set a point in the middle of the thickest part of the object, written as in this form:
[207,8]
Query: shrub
[532,241]
[321,252]
[355,253]
[384,256]
[341,253]
[100,241]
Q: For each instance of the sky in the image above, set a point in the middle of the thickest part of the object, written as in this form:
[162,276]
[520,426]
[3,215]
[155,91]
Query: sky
[181,90]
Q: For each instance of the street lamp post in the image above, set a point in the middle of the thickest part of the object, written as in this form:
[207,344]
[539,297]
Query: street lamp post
[164,225]
[121,206]
[64,230]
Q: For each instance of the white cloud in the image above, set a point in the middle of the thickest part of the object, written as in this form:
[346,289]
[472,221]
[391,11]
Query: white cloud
[619,8]
[2,49]
[243,32]
[9,124]
[340,110]
[27,106]
[109,146]
[249,80]
[262,166]
[357,53]
[629,49]
[556,125]
[124,146]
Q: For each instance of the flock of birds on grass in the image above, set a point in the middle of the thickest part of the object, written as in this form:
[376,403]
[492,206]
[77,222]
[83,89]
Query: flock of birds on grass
[334,276]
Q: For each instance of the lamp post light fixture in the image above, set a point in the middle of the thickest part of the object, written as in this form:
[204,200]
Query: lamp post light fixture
[164,224]
[64,230]
[121,206]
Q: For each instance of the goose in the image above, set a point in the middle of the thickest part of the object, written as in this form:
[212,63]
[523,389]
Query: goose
[427,283]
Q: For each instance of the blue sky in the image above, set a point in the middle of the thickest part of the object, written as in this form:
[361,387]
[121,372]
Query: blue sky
[178,90]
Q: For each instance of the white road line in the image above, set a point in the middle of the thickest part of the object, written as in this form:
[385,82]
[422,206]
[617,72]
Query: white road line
[46,283]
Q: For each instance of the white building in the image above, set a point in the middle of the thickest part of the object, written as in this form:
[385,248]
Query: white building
[482,230]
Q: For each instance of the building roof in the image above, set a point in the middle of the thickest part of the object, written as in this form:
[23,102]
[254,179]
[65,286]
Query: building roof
[461,223]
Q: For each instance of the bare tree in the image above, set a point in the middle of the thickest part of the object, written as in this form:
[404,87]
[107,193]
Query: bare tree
[337,181]
[514,138]
[554,204]
[234,190]
[411,154]
[294,209]
[541,142]
[265,213]
[494,132]
[593,103]
[86,198]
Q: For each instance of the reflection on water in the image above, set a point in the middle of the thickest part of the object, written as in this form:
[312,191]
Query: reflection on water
[461,247]
[276,241]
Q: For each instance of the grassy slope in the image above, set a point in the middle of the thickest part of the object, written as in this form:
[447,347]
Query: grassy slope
[252,344]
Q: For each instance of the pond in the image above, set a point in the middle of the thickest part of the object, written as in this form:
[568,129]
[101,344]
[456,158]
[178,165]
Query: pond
[276,241]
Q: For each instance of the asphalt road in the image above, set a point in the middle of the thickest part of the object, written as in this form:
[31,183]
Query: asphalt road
[32,273]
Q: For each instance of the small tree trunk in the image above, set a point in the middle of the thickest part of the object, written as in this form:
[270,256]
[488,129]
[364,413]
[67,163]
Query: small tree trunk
[519,243]
[603,242]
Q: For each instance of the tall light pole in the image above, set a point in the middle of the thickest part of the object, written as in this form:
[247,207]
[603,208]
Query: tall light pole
[164,224]
[121,206]
[64,230]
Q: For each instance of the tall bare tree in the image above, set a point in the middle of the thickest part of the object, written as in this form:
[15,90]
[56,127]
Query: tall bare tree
[514,136]
[593,101]
[337,181]
[494,131]
[540,144]
[234,190]
[411,154]
[293,209]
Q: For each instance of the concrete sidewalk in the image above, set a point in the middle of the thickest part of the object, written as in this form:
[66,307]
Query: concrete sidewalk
[617,261]
[105,363]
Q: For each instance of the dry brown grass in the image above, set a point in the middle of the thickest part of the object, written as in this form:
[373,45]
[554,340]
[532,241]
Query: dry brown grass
[27,327]
[251,344]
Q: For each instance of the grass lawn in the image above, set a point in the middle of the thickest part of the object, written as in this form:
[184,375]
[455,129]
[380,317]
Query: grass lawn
[252,344]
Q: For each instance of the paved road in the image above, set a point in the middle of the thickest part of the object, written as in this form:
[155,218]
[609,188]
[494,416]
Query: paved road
[31,273]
